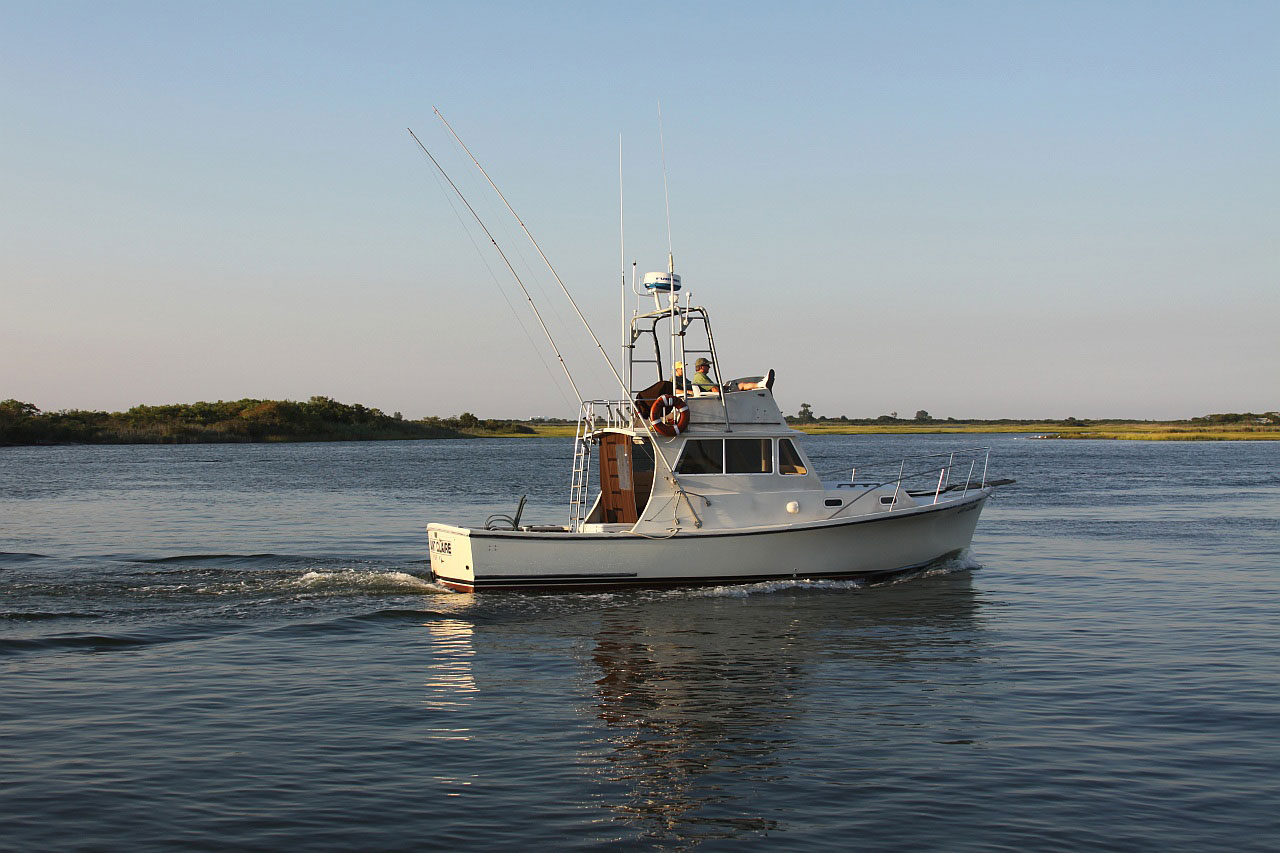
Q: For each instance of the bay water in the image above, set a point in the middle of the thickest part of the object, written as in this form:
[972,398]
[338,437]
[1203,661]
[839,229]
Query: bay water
[240,646]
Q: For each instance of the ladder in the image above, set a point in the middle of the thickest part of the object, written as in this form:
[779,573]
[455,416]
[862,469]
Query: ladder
[581,479]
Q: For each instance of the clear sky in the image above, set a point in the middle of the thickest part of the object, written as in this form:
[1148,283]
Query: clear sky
[981,209]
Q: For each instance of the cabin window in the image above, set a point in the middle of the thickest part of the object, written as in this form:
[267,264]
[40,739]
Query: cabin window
[789,461]
[748,456]
[702,456]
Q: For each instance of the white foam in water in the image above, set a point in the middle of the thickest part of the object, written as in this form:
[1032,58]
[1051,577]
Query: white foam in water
[746,589]
[963,561]
[348,579]
[960,562]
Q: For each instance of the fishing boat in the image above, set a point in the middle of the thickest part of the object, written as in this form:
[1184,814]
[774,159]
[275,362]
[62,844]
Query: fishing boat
[686,480]
[694,486]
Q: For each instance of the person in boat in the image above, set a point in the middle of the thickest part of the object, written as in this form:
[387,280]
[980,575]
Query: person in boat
[681,384]
[702,382]
[752,384]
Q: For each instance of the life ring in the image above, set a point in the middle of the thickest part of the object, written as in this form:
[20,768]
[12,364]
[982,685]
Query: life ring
[670,415]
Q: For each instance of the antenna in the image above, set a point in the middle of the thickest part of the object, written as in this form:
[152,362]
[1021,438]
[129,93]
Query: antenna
[542,254]
[666,195]
[514,274]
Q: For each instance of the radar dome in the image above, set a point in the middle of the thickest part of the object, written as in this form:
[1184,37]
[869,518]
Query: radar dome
[663,282]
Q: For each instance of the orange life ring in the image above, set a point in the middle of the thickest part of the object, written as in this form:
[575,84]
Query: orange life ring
[670,415]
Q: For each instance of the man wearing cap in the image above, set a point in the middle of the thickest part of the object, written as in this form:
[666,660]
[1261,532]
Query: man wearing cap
[701,381]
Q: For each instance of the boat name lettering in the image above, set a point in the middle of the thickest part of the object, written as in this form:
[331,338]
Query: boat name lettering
[441,546]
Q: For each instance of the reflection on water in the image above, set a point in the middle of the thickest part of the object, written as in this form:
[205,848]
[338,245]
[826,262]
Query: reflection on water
[705,714]
[701,697]
[450,680]
[683,705]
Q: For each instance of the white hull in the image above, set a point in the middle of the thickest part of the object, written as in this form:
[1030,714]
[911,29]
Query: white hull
[467,559]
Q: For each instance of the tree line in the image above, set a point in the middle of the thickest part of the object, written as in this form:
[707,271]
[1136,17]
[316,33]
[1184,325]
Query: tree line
[248,420]
[806,416]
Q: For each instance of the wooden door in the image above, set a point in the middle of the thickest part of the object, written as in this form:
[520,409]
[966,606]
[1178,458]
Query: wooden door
[617,480]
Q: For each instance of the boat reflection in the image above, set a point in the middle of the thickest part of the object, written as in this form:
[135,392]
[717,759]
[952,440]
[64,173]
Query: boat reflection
[450,684]
[687,716]
[706,701]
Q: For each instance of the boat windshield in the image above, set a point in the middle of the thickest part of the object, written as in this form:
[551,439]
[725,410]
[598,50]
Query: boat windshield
[702,456]
[726,456]
[789,461]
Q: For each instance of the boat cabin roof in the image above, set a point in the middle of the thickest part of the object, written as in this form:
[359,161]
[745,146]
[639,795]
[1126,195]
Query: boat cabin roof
[750,414]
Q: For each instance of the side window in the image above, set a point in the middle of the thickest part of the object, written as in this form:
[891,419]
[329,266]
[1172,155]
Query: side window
[789,458]
[748,456]
[702,456]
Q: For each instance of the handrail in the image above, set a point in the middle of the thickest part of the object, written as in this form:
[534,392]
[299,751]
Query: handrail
[943,471]
[617,414]
[646,324]
[607,414]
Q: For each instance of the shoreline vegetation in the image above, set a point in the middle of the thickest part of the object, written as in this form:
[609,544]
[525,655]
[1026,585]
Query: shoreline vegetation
[325,419]
[239,421]
[1195,429]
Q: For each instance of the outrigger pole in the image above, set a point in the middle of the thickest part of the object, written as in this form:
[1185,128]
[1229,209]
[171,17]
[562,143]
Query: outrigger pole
[675,481]
[671,256]
[514,274]
[622,252]
[559,281]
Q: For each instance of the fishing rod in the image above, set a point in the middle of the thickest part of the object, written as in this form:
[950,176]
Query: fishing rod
[505,260]
[622,252]
[648,427]
[678,488]
[545,260]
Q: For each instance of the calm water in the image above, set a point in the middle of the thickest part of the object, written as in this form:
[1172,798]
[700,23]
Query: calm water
[239,646]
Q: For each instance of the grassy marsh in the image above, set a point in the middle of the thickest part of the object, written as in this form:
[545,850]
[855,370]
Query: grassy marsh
[1113,430]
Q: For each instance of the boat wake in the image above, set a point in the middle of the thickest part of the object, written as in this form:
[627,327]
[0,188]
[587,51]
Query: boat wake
[766,587]
[158,606]
[212,559]
[343,581]
[962,562]
[44,615]
[310,583]
[19,557]
[90,588]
